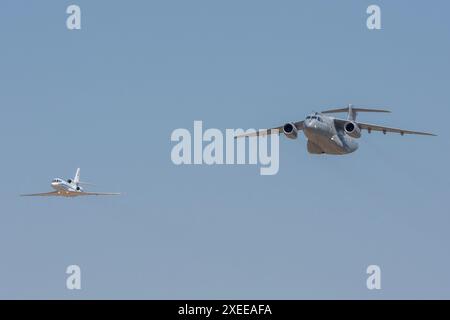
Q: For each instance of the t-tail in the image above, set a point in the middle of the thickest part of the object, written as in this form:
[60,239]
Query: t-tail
[352,112]
[76,180]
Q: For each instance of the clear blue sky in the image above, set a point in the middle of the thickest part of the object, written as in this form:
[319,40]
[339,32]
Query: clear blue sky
[106,99]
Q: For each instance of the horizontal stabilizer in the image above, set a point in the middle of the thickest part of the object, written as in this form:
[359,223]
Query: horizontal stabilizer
[346,109]
[352,111]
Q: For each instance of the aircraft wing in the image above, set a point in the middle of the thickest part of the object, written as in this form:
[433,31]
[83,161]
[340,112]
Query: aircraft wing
[370,127]
[96,194]
[266,132]
[46,194]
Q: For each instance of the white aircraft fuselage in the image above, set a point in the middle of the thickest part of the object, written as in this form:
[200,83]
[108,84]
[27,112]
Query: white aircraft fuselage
[65,188]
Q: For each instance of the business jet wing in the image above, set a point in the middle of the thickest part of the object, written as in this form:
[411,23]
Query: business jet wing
[46,194]
[370,127]
[266,132]
[96,194]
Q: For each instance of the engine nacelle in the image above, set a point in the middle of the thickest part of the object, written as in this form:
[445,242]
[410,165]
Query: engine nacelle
[290,131]
[352,129]
[69,181]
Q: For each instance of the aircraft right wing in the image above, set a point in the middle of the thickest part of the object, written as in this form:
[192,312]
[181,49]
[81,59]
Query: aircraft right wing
[266,132]
[46,194]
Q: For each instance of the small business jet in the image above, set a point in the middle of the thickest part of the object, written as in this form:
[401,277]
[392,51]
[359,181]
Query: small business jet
[69,188]
[330,135]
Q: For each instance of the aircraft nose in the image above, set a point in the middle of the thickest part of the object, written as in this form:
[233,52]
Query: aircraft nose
[307,125]
[310,124]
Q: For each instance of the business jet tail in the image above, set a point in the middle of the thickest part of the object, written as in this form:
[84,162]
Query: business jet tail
[76,180]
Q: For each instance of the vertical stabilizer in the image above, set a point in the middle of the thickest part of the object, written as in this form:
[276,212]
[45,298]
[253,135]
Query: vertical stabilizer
[76,180]
[351,113]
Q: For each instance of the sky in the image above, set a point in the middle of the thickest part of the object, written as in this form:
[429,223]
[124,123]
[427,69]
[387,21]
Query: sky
[106,98]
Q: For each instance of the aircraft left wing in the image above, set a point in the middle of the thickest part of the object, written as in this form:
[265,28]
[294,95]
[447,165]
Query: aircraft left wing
[46,194]
[96,194]
[266,132]
[372,127]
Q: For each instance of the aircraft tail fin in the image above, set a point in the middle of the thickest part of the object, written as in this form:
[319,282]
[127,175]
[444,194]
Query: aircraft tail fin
[352,111]
[76,180]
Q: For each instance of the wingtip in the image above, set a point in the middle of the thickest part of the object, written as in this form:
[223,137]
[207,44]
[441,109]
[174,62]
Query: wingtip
[381,110]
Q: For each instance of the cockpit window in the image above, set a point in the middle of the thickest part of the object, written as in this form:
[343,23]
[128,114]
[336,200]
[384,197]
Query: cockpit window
[314,117]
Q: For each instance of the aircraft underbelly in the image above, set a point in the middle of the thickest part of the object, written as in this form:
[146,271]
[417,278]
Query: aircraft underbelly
[328,143]
[64,191]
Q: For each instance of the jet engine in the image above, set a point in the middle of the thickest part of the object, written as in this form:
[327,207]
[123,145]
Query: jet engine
[69,180]
[290,131]
[352,129]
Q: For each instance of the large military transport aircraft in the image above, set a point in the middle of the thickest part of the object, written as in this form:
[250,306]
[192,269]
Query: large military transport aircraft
[330,135]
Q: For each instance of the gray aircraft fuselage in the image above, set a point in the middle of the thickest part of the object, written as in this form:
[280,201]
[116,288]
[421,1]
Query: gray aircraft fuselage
[323,137]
